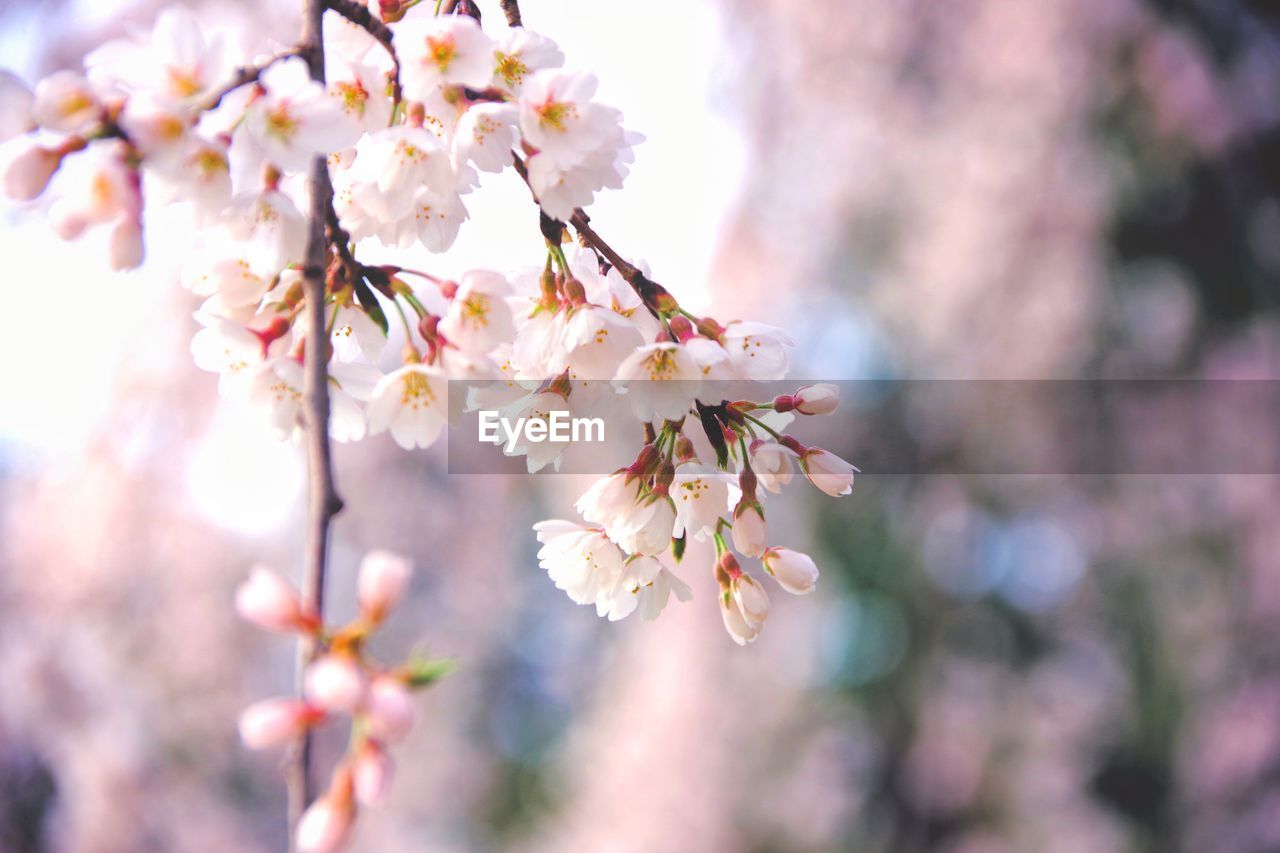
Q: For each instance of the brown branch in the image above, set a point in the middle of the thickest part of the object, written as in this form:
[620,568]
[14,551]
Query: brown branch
[364,19]
[244,75]
[323,500]
[654,295]
[511,8]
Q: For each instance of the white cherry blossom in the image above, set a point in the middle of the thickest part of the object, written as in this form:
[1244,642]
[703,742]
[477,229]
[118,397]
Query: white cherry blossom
[661,381]
[448,50]
[580,560]
[701,497]
[295,119]
[64,101]
[519,53]
[485,135]
[479,318]
[758,350]
[410,402]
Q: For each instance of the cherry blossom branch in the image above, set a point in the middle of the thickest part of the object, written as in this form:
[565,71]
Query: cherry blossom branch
[655,296]
[244,75]
[367,21]
[511,8]
[324,502]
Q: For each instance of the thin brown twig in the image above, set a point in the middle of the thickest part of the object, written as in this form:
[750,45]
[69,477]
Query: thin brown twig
[655,296]
[244,75]
[367,21]
[511,8]
[323,500]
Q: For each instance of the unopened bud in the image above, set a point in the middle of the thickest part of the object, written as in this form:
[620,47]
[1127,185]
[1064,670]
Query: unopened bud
[574,292]
[389,709]
[749,531]
[664,478]
[820,399]
[28,174]
[391,11]
[269,601]
[429,327]
[795,572]
[645,463]
[681,328]
[371,773]
[326,824]
[709,328]
[335,683]
[125,247]
[276,722]
[383,579]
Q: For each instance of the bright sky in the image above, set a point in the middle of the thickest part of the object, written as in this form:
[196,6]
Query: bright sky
[72,324]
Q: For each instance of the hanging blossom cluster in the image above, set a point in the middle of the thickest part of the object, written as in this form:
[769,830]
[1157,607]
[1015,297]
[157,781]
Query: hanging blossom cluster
[341,682]
[414,106]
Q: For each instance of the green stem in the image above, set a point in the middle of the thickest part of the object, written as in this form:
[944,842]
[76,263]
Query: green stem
[764,426]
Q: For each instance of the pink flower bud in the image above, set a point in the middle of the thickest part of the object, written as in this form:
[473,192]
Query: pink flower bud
[772,464]
[326,824]
[749,532]
[335,683]
[752,600]
[391,11]
[820,399]
[389,709]
[383,579]
[372,773]
[125,247]
[28,173]
[740,630]
[795,572]
[269,601]
[828,472]
[66,221]
[275,722]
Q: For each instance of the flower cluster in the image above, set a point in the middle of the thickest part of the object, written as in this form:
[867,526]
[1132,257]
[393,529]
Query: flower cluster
[413,108]
[670,494]
[410,113]
[340,681]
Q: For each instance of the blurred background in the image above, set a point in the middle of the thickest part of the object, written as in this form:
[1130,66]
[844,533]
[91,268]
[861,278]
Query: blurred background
[970,189]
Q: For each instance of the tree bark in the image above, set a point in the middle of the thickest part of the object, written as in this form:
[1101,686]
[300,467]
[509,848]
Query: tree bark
[323,501]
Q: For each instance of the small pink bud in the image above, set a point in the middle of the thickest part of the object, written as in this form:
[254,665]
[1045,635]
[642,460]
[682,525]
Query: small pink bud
[275,722]
[827,471]
[269,601]
[391,11]
[820,399]
[795,572]
[67,222]
[28,173]
[389,709]
[125,247]
[326,824]
[372,773]
[749,531]
[383,579]
[751,599]
[335,683]
[681,328]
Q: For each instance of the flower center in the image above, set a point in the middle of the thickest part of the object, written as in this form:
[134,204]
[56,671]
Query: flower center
[510,68]
[281,123]
[554,114]
[476,309]
[416,391]
[441,51]
[183,83]
[353,97]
